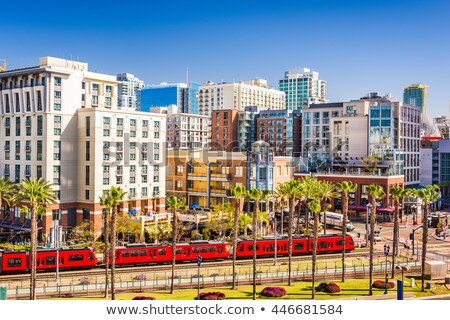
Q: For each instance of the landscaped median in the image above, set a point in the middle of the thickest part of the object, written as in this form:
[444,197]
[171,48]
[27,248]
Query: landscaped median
[351,289]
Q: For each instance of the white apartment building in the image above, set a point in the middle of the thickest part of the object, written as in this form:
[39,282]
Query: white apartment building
[185,130]
[128,87]
[303,88]
[238,95]
[54,125]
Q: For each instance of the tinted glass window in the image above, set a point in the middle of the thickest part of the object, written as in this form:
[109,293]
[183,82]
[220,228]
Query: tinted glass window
[15,262]
[298,246]
[212,249]
[75,257]
[162,252]
[143,253]
[49,260]
[125,254]
[195,250]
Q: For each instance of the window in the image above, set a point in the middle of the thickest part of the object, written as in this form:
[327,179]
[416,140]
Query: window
[239,171]
[88,150]
[133,122]
[106,120]
[17,102]
[108,101]
[39,100]
[157,124]
[57,81]
[28,102]
[156,135]
[57,106]
[57,94]
[86,194]
[108,88]
[106,132]
[119,133]
[57,131]
[133,134]
[95,87]
[88,126]
[95,100]
[18,126]
[120,121]
[105,156]
[105,181]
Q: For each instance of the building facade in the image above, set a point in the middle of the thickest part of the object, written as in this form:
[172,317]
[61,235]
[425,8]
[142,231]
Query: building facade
[238,95]
[224,130]
[429,160]
[128,87]
[302,88]
[185,130]
[183,95]
[416,95]
[58,122]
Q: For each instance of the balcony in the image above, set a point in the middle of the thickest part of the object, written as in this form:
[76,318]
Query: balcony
[200,192]
[220,177]
[196,176]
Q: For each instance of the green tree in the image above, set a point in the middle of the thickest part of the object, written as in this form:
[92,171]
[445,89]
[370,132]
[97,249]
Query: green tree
[376,193]
[177,205]
[239,193]
[370,163]
[82,232]
[428,195]
[35,192]
[291,190]
[159,231]
[398,194]
[345,187]
[221,225]
[326,192]
[115,197]
[7,191]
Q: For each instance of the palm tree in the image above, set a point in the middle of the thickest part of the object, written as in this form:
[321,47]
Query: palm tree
[345,187]
[6,191]
[238,193]
[114,197]
[428,195]
[293,191]
[105,201]
[37,193]
[376,192]
[327,191]
[315,208]
[175,204]
[256,195]
[398,194]
[309,193]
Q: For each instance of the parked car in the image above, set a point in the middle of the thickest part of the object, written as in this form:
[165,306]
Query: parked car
[376,236]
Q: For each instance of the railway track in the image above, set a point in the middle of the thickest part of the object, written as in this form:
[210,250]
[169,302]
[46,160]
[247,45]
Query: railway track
[180,267]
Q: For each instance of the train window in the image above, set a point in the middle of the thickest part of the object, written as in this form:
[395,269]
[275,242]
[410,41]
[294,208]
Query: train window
[62,260]
[143,253]
[250,247]
[38,262]
[298,246]
[351,241]
[285,247]
[90,256]
[323,244]
[49,260]
[272,247]
[15,262]
[76,257]
[125,254]
[178,251]
[194,250]
[162,252]
[212,249]
[241,248]
[134,253]
[339,243]
[204,249]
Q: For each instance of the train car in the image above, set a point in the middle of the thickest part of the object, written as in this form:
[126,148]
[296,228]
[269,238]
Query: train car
[19,261]
[154,254]
[300,246]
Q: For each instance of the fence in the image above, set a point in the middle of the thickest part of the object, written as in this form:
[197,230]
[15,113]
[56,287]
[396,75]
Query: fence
[211,280]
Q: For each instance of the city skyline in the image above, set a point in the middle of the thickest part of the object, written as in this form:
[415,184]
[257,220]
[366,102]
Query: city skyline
[356,47]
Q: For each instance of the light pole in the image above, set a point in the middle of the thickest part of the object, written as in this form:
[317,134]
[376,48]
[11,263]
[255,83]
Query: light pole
[413,207]
[199,263]
[369,206]
[386,253]
[275,241]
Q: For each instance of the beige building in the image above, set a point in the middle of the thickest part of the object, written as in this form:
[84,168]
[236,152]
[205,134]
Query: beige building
[238,95]
[61,122]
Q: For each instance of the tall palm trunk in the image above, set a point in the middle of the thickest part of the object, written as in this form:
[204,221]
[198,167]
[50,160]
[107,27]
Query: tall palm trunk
[314,253]
[174,251]
[106,252]
[290,224]
[33,252]
[113,253]
[373,213]
[344,230]
[324,222]
[395,243]
[235,239]
[254,235]
[424,242]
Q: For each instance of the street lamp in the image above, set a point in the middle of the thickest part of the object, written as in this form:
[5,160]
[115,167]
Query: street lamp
[275,241]
[199,263]
[369,206]
[386,253]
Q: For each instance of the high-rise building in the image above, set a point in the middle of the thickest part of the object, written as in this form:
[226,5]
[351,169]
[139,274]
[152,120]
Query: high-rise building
[61,122]
[416,95]
[302,88]
[238,95]
[429,160]
[183,95]
[128,87]
[185,130]
[224,130]
[338,136]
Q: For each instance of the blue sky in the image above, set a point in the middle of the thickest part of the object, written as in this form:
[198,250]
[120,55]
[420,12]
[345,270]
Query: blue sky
[357,46]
